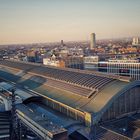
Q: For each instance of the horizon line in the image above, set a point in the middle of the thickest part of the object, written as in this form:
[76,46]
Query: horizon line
[52,42]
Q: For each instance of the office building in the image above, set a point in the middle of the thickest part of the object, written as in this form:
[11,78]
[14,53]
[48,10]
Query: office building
[91,62]
[92,41]
[130,68]
[135,41]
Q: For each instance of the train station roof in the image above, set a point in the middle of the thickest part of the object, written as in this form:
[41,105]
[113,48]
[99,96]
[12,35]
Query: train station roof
[82,90]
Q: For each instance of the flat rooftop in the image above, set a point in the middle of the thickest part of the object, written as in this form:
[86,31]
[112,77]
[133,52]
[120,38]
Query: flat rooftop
[42,121]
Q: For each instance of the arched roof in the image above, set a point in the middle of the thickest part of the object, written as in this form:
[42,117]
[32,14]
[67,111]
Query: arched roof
[97,102]
[97,110]
[37,99]
[87,82]
[128,87]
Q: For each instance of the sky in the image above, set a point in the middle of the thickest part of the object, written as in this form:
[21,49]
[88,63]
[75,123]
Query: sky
[32,21]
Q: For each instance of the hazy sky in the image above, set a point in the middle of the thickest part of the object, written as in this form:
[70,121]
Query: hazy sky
[27,21]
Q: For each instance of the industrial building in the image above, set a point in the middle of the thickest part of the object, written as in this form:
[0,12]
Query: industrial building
[95,101]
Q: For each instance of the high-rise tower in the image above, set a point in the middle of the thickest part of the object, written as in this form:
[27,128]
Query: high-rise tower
[93,41]
[62,43]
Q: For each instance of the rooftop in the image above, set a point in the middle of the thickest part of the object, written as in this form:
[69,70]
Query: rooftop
[38,119]
[82,90]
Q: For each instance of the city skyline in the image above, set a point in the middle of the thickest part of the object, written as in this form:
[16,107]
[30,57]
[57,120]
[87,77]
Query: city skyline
[50,21]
